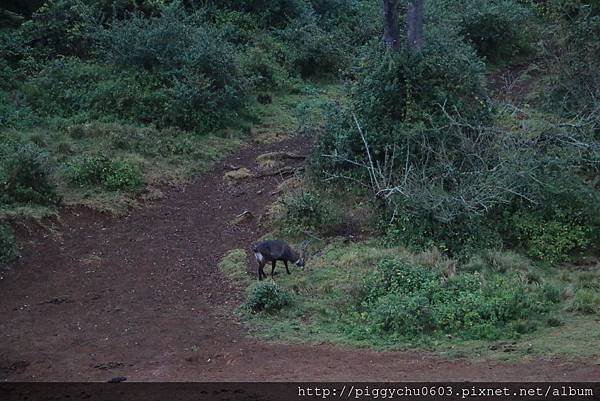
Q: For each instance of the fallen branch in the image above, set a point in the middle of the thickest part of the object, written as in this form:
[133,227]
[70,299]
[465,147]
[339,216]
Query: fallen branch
[282,171]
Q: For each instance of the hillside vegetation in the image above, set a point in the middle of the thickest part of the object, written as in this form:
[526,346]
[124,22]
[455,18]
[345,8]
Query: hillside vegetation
[452,194]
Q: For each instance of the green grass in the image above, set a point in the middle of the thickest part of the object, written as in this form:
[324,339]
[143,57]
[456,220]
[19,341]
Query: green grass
[233,265]
[162,157]
[577,337]
[143,160]
[322,295]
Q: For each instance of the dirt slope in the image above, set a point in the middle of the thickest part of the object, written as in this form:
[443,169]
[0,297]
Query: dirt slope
[141,297]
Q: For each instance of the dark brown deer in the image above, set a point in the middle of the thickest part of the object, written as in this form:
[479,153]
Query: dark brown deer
[274,250]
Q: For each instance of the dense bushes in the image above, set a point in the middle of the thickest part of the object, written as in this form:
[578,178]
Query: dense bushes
[404,300]
[309,49]
[396,93]
[497,29]
[24,174]
[573,87]
[420,133]
[63,27]
[166,63]
[419,116]
[172,69]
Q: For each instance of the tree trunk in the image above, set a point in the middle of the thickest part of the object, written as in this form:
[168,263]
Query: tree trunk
[414,25]
[391,35]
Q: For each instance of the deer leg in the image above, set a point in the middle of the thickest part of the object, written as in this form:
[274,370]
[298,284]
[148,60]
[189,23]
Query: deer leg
[273,268]
[286,267]
[261,272]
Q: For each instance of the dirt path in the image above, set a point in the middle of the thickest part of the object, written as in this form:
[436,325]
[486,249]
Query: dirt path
[141,297]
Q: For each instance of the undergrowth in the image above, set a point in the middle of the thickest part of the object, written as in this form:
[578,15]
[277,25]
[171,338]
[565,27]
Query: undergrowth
[368,295]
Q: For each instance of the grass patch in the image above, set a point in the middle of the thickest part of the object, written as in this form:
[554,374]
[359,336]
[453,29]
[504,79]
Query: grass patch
[233,265]
[110,166]
[503,306]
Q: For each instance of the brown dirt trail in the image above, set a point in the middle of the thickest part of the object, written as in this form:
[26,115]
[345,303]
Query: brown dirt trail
[141,297]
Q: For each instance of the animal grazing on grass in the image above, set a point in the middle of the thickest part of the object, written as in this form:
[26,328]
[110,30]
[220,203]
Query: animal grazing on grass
[274,250]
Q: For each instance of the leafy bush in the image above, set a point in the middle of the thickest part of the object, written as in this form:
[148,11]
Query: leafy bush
[101,171]
[405,104]
[63,27]
[79,91]
[8,246]
[267,296]
[566,214]
[309,49]
[573,86]
[262,69]
[394,93]
[550,240]
[460,237]
[86,171]
[403,300]
[198,84]
[498,29]
[25,174]
[15,114]
[306,210]
[121,8]
[123,175]
[66,87]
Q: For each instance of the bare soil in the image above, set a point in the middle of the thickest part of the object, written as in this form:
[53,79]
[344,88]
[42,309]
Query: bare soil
[141,297]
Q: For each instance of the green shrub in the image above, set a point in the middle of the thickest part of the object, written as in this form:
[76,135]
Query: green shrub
[267,296]
[552,292]
[309,49]
[64,87]
[112,175]
[197,83]
[460,237]
[496,28]
[307,210]
[121,8]
[572,84]
[15,114]
[550,240]
[403,300]
[87,170]
[262,69]
[396,94]
[236,26]
[25,174]
[123,175]
[63,27]
[8,245]
[79,91]
[169,70]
